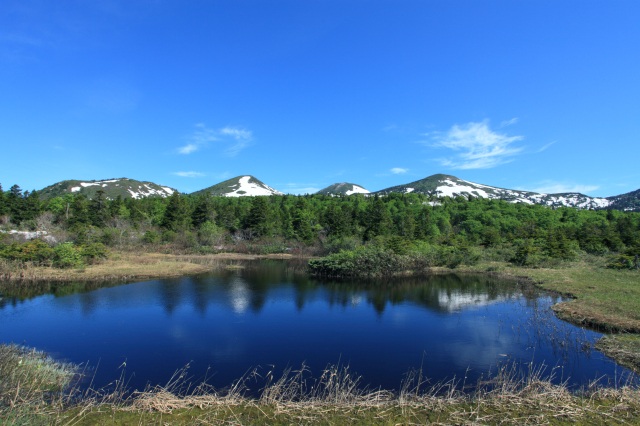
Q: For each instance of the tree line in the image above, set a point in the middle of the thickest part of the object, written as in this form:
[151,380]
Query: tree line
[526,234]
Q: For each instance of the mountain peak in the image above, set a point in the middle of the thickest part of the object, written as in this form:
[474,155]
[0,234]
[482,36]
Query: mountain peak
[240,186]
[343,188]
[112,188]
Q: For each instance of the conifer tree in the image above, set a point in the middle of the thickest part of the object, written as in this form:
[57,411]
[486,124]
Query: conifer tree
[177,216]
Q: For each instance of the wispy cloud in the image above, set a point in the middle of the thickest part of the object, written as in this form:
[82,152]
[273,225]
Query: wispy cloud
[507,123]
[479,147]
[189,174]
[545,147]
[242,139]
[188,148]
[398,170]
[551,187]
[202,136]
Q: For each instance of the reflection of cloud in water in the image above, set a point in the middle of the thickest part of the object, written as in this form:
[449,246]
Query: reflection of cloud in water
[356,299]
[484,346]
[239,294]
[456,301]
[224,347]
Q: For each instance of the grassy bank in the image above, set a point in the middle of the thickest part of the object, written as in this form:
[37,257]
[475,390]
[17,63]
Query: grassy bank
[335,397]
[604,299]
[120,266]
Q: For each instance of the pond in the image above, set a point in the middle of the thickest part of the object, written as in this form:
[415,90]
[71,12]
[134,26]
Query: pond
[265,315]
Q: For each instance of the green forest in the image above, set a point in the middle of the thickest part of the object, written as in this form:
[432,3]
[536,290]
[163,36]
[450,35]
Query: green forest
[376,234]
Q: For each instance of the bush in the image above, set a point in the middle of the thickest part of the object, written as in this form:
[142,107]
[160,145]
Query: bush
[337,244]
[621,261]
[527,254]
[68,256]
[35,251]
[94,252]
[366,261]
[210,234]
[151,237]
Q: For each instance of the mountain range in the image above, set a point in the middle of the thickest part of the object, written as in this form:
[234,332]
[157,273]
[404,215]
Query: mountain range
[438,185]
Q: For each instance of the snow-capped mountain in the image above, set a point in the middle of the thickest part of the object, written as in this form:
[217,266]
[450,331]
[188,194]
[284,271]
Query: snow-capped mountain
[450,186]
[629,202]
[343,188]
[112,188]
[240,186]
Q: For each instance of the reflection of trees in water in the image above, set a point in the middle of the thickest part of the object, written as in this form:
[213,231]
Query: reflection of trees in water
[169,292]
[248,285]
[440,293]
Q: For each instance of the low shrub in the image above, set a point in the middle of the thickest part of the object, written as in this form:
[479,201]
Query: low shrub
[368,261]
[35,251]
[67,255]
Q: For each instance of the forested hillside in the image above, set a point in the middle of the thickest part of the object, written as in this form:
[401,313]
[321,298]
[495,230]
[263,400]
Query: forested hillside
[454,230]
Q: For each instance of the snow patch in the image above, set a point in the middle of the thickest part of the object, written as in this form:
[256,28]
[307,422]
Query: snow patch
[245,188]
[357,190]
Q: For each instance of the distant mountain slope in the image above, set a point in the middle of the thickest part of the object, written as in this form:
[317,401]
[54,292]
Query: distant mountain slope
[112,188]
[446,185]
[240,186]
[627,202]
[343,188]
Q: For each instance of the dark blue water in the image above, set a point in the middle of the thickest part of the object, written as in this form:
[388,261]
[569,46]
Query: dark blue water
[226,323]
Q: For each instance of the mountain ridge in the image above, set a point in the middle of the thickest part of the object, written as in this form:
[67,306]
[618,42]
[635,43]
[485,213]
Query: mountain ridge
[112,188]
[441,185]
[437,185]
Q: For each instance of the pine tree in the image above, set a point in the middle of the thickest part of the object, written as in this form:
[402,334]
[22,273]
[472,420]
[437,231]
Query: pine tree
[15,204]
[257,221]
[177,216]
[203,211]
[3,202]
[301,220]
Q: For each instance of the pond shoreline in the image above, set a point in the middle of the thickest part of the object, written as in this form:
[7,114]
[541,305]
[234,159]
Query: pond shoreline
[537,401]
[579,282]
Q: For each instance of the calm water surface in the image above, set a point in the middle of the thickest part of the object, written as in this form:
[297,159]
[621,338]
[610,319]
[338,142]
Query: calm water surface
[226,323]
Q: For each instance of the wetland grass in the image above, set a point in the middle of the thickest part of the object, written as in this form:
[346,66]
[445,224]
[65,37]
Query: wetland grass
[507,396]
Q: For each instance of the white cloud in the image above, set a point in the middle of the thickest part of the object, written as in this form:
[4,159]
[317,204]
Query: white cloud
[189,174]
[188,148]
[398,170]
[550,187]
[237,134]
[479,147]
[203,136]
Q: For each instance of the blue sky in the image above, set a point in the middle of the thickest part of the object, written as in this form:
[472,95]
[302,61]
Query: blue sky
[536,95]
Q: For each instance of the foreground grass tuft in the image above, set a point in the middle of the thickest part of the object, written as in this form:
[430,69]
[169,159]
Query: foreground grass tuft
[296,397]
[31,385]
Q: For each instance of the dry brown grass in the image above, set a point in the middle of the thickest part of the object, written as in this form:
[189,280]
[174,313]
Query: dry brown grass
[122,266]
[336,398]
